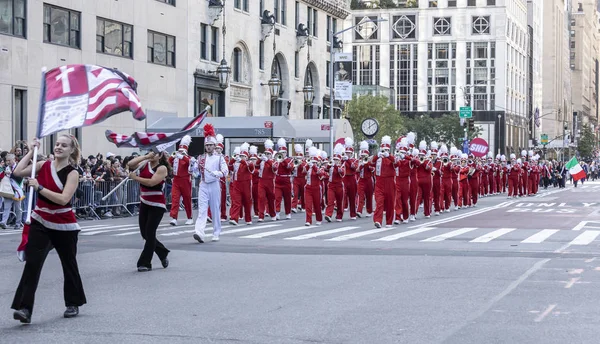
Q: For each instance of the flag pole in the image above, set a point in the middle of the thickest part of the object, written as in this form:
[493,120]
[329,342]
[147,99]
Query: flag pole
[35,149]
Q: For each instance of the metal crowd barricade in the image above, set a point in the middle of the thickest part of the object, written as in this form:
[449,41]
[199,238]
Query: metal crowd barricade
[83,200]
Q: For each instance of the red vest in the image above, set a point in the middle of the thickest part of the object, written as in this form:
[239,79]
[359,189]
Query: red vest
[152,196]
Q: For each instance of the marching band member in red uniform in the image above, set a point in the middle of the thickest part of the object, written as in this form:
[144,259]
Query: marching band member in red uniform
[241,182]
[455,163]
[324,181]
[446,169]
[531,174]
[232,190]
[464,181]
[424,171]
[365,181]
[336,192]
[497,178]
[283,180]
[266,184]
[254,160]
[402,166]
[504,175]
[414,180]
[299,179]
[523,181]
[514,171]
[474,180]
[384,183]
[53,225]
[351,167]
[182,182]
[437,179]
[488,175]
[313,189]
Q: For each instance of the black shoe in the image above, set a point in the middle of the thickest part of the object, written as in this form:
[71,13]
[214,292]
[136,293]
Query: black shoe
[23,315]
[197,237]
[164,262]
[71,312]
[144,269]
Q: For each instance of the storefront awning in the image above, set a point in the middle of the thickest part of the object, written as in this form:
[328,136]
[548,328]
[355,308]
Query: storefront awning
[318,129]
[232,127]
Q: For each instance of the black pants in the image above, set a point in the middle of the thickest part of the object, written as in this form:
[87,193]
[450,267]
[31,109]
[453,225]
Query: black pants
[149,219]
[41,241]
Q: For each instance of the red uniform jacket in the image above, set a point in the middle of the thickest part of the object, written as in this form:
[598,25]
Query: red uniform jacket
[384,167]
[242,171]
[351,166]
[403,168]
[181,167]
[284,170]
[336,174]
[266,170]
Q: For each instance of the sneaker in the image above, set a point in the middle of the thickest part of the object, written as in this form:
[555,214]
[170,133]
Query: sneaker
[353,218]
[108,214]
[437,213]
[339,220]
[215,239]
[405,221]
[318,223]
[233,222]
[327,218]
[427,216]
[412,218]
[288,217]
[189,222]
[248,223]
[274,218]
[255,216]
[397,222]
[164,262]
[260,220]
[198,238]
[307,224]
[368,214]
[209,220]
[142,269]
[377,225]
[23,315]
[388,226]
[173,222]
[295,210]
[359,215]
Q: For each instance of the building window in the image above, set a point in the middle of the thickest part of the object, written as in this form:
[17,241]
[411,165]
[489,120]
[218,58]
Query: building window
[334,25]
[451,3]
[114,38]
[261,7]
[403,76]
[283,12]
[572,44]
[433,3]
[472,3]
[214,43]
[404,27]
[245,7]
[161,49]
[277,104]
[203,39]
[261,55]
[481,25]
[441,26]
[365,65]
[308,107]
[309,19]
[327,73]
[296,64]
[276,11]
[205,97]
[491,2]
[61,26]
[20,115]
[328,34]
[297,15]
[12,17]
[237,4]
[170,2]
[237,64]
[315,26]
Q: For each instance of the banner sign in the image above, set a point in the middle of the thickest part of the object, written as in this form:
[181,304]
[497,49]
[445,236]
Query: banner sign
[479,147]
[342,71]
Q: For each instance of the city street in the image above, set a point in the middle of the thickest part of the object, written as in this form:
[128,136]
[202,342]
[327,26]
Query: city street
[522,270]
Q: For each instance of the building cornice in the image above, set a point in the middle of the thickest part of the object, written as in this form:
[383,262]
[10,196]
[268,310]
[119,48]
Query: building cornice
[334,7]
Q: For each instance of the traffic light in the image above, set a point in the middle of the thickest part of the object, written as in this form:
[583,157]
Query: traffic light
[471,125]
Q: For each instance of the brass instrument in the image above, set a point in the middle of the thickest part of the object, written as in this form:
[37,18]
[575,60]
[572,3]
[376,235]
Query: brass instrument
[261,155]
[235,156]
[297,162]
[365,160]
[279,157]
[422,159]
[470,161]
[174,154]
[445,161]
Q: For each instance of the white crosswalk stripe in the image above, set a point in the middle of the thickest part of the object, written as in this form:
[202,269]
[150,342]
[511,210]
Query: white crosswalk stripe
[404,234]
[493,235]
[585,238]
[359,234]
[280,231]
[323,233]
[540,236]
[449,235]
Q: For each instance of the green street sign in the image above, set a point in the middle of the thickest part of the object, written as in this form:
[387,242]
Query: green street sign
[466,112]
[544,138]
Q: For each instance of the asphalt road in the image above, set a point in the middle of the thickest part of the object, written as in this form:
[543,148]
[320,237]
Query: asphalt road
[508,271]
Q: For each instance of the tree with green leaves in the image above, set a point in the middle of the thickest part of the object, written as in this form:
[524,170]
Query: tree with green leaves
[378,107]
[586,143]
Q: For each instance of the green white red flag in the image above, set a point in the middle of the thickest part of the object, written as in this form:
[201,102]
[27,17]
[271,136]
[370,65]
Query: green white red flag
[575,169]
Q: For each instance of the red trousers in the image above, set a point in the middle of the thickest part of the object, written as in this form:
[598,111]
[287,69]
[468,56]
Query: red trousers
[513,184]
[182,188]
[474,184]
[437,192]
[486,185]
[365,195]
[447,193]
[455,184]
[312,201]
[532,183]
[299,193]
[504,182]
[385,197]
[266,197]
[223,202]
[425,189]
[335,197]
[464,192]
[241,198]
[413,191]
[283,191]
[350,188]
[402,196]
[255,197]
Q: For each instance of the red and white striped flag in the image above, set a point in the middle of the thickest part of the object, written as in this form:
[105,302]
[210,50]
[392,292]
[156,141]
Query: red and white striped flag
[77,96]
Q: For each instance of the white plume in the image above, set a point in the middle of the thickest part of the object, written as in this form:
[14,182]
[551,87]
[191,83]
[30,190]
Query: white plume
[269,144]
[519,161]
[219,138]
[404,142]
[253,150]
[453,150]
[513,156]
[309,143]
[348,142]
[490,155]
[298,148]
[498,156]
[415,151]
[411,138]
[530,153]
[245,146]
[339,149]
[503,158]
[443,149]
[386,140]
[434,145]
[323,154]
[313,151]
[186,140]
[423,145]
[523,153]
[281,143]
[537,156]
[464,156]
[364,145]
[236,150]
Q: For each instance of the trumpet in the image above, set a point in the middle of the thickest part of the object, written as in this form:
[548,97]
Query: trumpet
[278,157]
[470,161]
[235,156]
[261,155]
[422,159]
[174,154]
[365,160]
[297,162]
[445,161]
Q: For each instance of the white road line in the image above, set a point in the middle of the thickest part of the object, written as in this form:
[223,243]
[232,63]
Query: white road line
[469,214]
[318,234]
[545,313]
[89,228]
[585,238]
[110,230]
[449,235]
[404,234]
[359,234]
[244,229]
[493,235]
[539,236]
[280,231]
[580,225]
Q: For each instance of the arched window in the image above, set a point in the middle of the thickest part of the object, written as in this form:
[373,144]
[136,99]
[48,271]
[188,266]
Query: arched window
[237,65]
[277,102]
[308,107]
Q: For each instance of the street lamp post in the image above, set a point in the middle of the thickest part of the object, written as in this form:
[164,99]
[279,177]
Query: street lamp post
[565,126]
[332,78]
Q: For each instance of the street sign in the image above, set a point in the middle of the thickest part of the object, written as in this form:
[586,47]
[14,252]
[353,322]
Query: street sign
[544,139]
[466,112]
[268,124]
[325,127]
[479,147]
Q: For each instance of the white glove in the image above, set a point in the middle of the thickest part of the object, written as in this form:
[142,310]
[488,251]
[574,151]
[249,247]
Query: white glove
[193,160]
[179,156]
[379,154]
[345,157]
[386,154]
[310,164]
[238,159]
[264,158]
